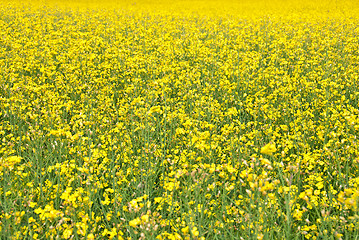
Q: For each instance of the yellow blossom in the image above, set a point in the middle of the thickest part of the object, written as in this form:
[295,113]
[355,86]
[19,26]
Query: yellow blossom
[269,149]
[135,222]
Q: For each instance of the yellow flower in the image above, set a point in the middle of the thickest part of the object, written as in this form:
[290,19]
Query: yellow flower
[10,162]
[155,109]
[195,232]
[298,214]
[158,199]
[134,222]
[145,218]
[265,161]
[269,149]
[14,159]
[67,233]
[31,220]
[260,236]
[185,229]
[90,237]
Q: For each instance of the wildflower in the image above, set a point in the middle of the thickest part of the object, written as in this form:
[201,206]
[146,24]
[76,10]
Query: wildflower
[269,149]
[265,161]
[90,237]
[135,222]
[145,218]
[195,231]
[67,233]
[185,229]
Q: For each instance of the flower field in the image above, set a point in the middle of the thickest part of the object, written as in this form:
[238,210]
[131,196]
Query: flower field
[179,120]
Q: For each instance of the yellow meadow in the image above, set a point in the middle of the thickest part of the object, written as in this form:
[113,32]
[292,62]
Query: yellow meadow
[179,120]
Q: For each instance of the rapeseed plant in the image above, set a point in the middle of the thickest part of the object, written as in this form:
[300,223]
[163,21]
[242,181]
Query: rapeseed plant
[185,120]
